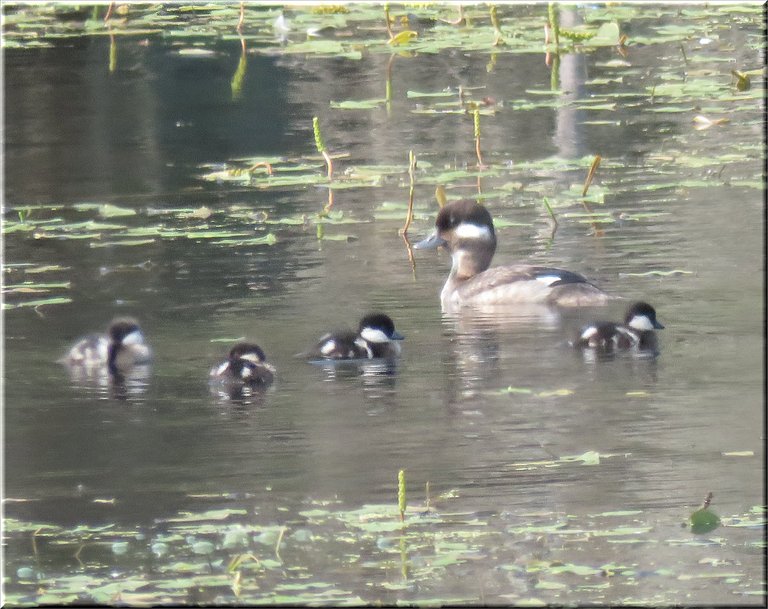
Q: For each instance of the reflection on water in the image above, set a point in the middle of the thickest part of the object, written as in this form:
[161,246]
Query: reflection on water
[376,377]
[239,396]
[97,381]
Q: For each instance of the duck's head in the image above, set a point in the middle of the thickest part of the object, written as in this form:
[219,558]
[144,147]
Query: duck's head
[642,317]
[465,229]
[378,328]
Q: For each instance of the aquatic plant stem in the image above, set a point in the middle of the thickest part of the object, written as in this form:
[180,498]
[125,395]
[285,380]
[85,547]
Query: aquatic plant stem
[386,19]
[112,52]
[591,174]
[554,24]
[401,499]
[388,84]
[551,213]
[498,40]
[440,195]
[409,213]
[320,144]
[279,541]
[480,164]
[242,18]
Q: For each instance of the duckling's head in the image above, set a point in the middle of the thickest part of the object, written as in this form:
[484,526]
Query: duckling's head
[125,331]
[465,229]
[248,363]
[378,328]
[126,345]
[250,352]
[642,317]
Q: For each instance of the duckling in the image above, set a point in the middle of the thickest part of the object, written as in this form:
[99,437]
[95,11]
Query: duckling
[120,349]
[465,229]
[374,339]
[245,365]
[637,331]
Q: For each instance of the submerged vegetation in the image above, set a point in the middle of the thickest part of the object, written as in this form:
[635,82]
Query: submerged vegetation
[236,550]
[239,554]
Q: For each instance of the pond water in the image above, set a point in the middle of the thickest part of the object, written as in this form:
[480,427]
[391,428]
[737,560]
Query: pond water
[552,478]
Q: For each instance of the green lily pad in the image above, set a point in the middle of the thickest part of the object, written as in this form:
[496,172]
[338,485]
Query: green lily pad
[704,521]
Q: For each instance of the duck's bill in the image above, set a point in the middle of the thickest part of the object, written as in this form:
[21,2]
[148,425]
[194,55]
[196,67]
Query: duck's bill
[658,325]
[397,336]
[430,243]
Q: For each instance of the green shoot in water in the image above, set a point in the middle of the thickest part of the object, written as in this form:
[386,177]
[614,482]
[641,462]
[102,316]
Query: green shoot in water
[320,144]
[480,163]
[401,500]
[497,40]
[591,174]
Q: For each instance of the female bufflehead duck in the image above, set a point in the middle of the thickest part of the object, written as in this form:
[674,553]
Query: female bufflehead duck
[374,339]
[245,365]
[636,331]
[465,229]
[121,348]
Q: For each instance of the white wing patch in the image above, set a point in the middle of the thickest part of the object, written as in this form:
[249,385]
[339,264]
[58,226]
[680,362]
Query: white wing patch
[328,347]
[589,333]
[251,357]
[222,368]
[360,342]
[626,332]
[467,230]
[548,279]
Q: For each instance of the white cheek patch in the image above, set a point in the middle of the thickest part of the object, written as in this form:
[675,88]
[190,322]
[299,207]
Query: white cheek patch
[641,322]
[246,372]
[328,347]
[374,336]
[251,357]
[465,230]
[548,279]
[134,338]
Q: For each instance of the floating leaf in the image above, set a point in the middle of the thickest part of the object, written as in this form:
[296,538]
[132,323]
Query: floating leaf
[113,211]
[128,242]
[203,547]
[608,34]
[704,521]
[445,93]
[38,303]
[367,104]
[402,37]
[658,273]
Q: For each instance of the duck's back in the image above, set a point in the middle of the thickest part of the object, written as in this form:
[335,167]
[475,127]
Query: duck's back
[522,283]
[344,344]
